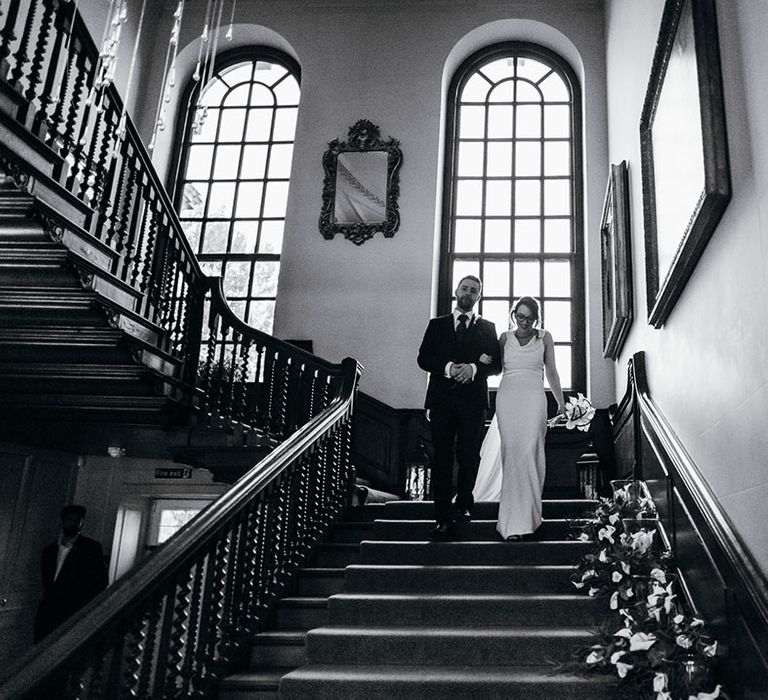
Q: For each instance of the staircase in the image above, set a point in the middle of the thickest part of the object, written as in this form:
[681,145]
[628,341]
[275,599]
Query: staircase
[408,618]
[67,352]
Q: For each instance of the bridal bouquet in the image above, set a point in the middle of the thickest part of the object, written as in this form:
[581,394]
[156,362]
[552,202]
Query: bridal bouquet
[579,413]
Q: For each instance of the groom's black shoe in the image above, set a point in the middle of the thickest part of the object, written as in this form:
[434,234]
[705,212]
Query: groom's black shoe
[441,531]
[464,515]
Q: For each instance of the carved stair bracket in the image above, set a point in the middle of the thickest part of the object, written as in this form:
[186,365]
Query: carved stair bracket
[113,317]
[53,227]
[86,277]
[137,353]
[13,172]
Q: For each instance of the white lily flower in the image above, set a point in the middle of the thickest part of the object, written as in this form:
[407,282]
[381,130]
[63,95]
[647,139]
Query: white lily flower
[616,656]
[658,575]
[696,622]
[594,658]
[708,696]
[614,604]
[664,695]
[641,641]
[590,573]
[614,518]
[578,584]
[603,556]
[625,567]
[593,592]
[684,641]
[606,533]
[622,669]
[678,619]
[584,537]
[616,577]
[624,633]
[711,649]
[660,681]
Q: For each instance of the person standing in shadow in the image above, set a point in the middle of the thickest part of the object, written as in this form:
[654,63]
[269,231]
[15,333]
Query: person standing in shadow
[73,570]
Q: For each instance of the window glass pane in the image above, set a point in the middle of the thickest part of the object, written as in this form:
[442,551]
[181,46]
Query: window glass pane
[470,158]
[271,240]
[237,73]
[261,315]
[526,279]
[527,92]
[211,268]
[563,361]
[237,278]
[557,197]
[528,122]
[268,72]
[244,236]
[498,235]
[193,200]
[469,197]
[231,125]
[499,158]
[215,237]
[199,162]
[462,268]
[280,160]
[259,125]
[498,313]
[192,232]
[214,93]
[287,91]
[557,121]
[227,162]
[254,162]
[220,200]
[527,236]
[467,236]
[262,96]
[285,123]
[528,158]
[500,69]
[238,97]
[503,92]
[476,89]
[531,69]
[276,199]
[249,200]
[557,279]
[557,236]
[472,122]
[498,197]
[554,89]
[496,278]
[265,275]
[527,196]
[207,131]
[557,319]
[557,158]
[501,119]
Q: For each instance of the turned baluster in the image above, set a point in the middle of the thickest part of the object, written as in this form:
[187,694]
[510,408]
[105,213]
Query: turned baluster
[177,638]
[190,668]
[136,642]
[204,668]
[259,603]
[46,97]
[21,58]
[35,77]
[217,651]
[148,655]
[7,37]
[138,228]
[250,564]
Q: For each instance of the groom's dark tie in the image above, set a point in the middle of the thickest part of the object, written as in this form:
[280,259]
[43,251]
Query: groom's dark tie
[461,329]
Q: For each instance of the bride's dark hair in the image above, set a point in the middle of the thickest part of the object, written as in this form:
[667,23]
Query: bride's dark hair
[531,303]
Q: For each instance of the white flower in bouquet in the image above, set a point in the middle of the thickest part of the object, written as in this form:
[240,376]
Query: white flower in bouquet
[579,413]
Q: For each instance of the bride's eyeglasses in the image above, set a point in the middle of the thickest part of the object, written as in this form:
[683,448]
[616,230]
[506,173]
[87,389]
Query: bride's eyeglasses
[522,318]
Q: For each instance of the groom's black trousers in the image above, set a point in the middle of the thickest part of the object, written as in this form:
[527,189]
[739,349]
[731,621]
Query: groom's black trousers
[457,431]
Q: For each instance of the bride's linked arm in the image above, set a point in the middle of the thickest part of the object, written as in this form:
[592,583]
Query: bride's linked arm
[550,370]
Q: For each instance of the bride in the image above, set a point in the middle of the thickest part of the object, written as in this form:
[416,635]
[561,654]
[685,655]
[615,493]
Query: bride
[512,464]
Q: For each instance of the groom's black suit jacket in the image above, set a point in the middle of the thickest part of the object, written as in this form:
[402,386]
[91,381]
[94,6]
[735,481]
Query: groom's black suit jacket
[441,346]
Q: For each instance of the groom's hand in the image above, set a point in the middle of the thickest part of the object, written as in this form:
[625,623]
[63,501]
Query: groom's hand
[462,373]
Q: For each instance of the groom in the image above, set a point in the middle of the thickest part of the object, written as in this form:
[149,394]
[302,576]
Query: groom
[457,397]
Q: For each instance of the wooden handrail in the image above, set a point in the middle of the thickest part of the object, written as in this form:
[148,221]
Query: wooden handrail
[139,591]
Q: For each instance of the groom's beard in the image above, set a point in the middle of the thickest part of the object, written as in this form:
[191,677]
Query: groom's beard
[465,303]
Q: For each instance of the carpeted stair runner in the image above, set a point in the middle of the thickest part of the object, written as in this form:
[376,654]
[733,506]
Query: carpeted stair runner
[473,618]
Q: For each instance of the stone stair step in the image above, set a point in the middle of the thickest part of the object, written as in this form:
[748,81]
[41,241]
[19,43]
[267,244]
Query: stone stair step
[302,613]
[366,578]
[443,646]
[364,513]
[416,682]
[472,553]
[59,343]
[318,581]
[486,510]
[464,610]
[283,648]
[351,532]
[21,307]
[112,379]
[263,683]
[333,555]
[556,529]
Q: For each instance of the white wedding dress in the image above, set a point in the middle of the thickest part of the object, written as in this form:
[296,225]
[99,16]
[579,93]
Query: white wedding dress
[512,462]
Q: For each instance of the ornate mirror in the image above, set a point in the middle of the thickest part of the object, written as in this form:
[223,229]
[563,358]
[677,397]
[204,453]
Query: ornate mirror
[361,185]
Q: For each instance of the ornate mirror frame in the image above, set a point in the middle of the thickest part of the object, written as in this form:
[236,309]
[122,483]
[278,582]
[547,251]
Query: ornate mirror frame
[372,185]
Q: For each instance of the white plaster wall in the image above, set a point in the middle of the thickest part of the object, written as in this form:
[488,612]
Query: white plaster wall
[390,61]
[708,366]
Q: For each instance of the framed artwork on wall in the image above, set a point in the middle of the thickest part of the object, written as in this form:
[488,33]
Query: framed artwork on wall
[684,151]
[616,255]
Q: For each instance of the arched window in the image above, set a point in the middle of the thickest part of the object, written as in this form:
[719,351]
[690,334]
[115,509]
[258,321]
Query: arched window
[234,168]
[512,213]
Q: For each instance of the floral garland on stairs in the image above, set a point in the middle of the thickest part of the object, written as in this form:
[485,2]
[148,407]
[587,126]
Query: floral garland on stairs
[657,650]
